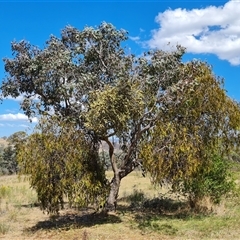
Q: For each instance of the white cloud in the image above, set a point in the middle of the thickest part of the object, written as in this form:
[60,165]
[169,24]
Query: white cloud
[18,99]
[16,117]
[134,38]
[208,30]
[24,126]
[21,98]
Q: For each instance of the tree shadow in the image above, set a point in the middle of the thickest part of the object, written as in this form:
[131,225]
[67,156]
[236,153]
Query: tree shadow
[75,219]
[144,211]
[153,214]
[165,207]
[29,205]
[156,215]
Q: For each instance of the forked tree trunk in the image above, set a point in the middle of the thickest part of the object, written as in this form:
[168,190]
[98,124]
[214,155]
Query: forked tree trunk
[111,202]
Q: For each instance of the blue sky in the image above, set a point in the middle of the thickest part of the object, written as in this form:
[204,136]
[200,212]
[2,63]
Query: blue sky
[209,29]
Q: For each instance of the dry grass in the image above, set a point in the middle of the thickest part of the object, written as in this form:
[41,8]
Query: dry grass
[141,215]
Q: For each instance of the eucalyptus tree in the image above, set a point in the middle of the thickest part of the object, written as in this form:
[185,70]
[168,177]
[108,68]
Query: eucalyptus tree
[199,128]
[150,104]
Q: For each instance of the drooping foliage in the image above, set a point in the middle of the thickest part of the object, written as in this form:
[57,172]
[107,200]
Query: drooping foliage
[198,127]
[62,163]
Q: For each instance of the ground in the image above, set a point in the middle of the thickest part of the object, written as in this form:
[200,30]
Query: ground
[144,212]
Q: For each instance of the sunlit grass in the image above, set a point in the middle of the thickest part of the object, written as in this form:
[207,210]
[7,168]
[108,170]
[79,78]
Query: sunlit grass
[144,212]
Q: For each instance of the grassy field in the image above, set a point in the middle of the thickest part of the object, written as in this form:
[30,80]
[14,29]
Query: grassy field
[141,215]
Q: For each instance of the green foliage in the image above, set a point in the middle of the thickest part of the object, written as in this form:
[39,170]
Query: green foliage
[16,137]
[199,121]
[112,108]
[137,198]
[104,157]
[214,181]
[5,191]
[62,163]
[8,163]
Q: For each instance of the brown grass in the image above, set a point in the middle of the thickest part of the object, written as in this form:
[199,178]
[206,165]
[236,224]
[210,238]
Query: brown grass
[141,215]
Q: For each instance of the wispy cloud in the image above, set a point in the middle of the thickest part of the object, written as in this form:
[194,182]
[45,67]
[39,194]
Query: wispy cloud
[24,126]
[7,125]
[134,38]
[18,99]
[21,98]
[16,117]
[207,30]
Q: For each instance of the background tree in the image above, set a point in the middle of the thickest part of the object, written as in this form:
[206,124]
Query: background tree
[86,77]
[17,137]
[8,162]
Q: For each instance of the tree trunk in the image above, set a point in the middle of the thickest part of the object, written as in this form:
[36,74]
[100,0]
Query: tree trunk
[111,203]
[128,167]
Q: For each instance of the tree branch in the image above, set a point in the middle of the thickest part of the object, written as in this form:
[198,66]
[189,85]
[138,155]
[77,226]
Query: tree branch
[111,155]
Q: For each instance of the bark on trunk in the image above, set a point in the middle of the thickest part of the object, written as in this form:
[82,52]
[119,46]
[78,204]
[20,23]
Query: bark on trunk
[127,168]
[111,203]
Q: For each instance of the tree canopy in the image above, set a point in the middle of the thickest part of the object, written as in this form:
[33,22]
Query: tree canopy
[167,115]
[197,121]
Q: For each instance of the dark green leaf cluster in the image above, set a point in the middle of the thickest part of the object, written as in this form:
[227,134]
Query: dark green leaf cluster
[214,180]
[8,161]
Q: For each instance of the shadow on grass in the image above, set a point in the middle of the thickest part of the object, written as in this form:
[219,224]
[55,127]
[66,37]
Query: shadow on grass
[74,220]
[147,215]
[30,205]
[164,207]
[161,206]
[157,214]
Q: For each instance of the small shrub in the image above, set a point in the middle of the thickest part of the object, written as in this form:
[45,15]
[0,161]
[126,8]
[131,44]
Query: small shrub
[4,191]
[4,228]
[213,182]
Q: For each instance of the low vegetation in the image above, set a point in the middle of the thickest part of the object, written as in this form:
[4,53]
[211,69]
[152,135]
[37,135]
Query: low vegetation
[144,212]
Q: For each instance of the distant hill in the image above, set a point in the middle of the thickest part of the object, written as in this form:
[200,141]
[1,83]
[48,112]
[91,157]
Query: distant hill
[104,147]
[3,143]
